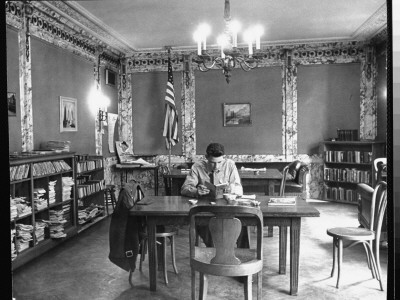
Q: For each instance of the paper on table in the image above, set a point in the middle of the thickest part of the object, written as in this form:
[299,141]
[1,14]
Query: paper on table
[282,201]
[252,197]
[253,169]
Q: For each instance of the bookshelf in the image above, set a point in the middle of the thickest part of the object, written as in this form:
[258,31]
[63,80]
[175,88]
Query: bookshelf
[42,194]
[347,163]
[90,185]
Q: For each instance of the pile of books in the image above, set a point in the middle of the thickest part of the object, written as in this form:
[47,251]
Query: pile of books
[67,183]
[24,236]
[39,201]
[52,191]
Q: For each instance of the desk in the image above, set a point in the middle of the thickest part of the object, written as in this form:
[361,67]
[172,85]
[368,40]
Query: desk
[248,178]
[174,210]
[128,168]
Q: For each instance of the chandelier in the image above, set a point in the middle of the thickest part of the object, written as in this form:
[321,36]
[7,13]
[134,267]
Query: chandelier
[231,56]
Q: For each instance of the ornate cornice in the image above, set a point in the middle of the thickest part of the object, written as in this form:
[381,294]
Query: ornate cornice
[374,24]
[91,25]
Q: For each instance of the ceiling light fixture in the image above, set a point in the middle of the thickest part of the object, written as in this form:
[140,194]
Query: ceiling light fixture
[231,56]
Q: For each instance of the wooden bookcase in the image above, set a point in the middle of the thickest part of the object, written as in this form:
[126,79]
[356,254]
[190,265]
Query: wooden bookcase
[90,185]
[347,163]
[46,185]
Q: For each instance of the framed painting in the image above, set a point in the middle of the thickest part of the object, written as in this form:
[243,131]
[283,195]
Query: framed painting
[12,104]
[68,114]
[237,114]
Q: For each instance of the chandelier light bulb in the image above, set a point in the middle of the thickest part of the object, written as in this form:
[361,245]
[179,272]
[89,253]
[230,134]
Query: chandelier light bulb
[249,38]
[234,26]
[204,30]
[258,31]
[222,40]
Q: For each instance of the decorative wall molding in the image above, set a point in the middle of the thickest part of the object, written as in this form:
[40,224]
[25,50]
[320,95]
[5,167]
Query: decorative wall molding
[374,24]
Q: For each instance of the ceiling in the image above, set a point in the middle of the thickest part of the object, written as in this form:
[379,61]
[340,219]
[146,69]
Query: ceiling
[152,24]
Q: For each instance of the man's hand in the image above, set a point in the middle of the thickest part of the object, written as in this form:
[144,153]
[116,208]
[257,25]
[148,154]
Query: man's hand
[202,190]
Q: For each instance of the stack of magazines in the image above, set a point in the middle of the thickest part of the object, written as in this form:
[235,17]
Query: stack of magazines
[38,199]
[39,231]
[67,183]
[24,236]
[52,191]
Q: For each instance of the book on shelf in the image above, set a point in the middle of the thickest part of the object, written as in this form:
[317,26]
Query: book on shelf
[216,190]
[282,201]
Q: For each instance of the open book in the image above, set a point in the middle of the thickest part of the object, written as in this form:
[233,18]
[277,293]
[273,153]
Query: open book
[216,190]
[282,201]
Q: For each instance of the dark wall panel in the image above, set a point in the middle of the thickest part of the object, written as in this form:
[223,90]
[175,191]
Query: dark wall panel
[55,73]
[148,91]
[14,122]
[328,99]
[262,89]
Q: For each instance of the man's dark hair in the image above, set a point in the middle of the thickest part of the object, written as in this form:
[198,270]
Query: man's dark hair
[215,150]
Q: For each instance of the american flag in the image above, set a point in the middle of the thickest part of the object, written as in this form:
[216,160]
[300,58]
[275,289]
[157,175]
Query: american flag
[171,117]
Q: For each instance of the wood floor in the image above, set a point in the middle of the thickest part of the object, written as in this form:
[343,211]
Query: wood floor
[80,268]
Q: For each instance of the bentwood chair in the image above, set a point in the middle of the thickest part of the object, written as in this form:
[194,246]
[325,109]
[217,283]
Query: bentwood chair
[224,259]
[293,182]
[380,168]
[366,236]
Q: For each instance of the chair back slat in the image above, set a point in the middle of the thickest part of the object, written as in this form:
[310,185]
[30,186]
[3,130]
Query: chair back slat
[378,205]
[224,232]
[225,228]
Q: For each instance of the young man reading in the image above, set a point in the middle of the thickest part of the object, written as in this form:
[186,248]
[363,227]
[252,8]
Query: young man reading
[215,169]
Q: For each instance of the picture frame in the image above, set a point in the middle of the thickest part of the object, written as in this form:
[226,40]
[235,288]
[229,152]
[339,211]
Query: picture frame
[12,104]
[68,114]
[110,77]
[236,114]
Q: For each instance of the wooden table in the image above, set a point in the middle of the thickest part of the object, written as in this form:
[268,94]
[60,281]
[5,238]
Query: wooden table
[248,178]
[127,168]
[174,210]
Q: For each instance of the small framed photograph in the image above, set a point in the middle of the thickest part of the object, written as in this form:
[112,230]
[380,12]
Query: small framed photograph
[12,104]
[110,77]
[237,114]
[68,114]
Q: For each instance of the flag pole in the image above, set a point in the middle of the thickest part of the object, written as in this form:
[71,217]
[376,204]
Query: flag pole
[168,48]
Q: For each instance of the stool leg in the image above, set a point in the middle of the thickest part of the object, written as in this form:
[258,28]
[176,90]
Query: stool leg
[164,250]
[106,196]
[173,253]
[143,249]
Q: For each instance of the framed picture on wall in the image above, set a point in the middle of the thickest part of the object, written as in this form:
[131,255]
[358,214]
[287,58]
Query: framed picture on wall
[68,114]
[236,114]
[12,104]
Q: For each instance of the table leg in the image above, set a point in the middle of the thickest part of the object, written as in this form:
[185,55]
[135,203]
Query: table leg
[151,231]
[282,249]
[294,254]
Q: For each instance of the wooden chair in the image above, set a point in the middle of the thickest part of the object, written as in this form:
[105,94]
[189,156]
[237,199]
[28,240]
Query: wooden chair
[224,259]
[293,182]
[366,236]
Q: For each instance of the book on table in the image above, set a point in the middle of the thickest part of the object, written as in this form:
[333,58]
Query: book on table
[282,201]
[216,190]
